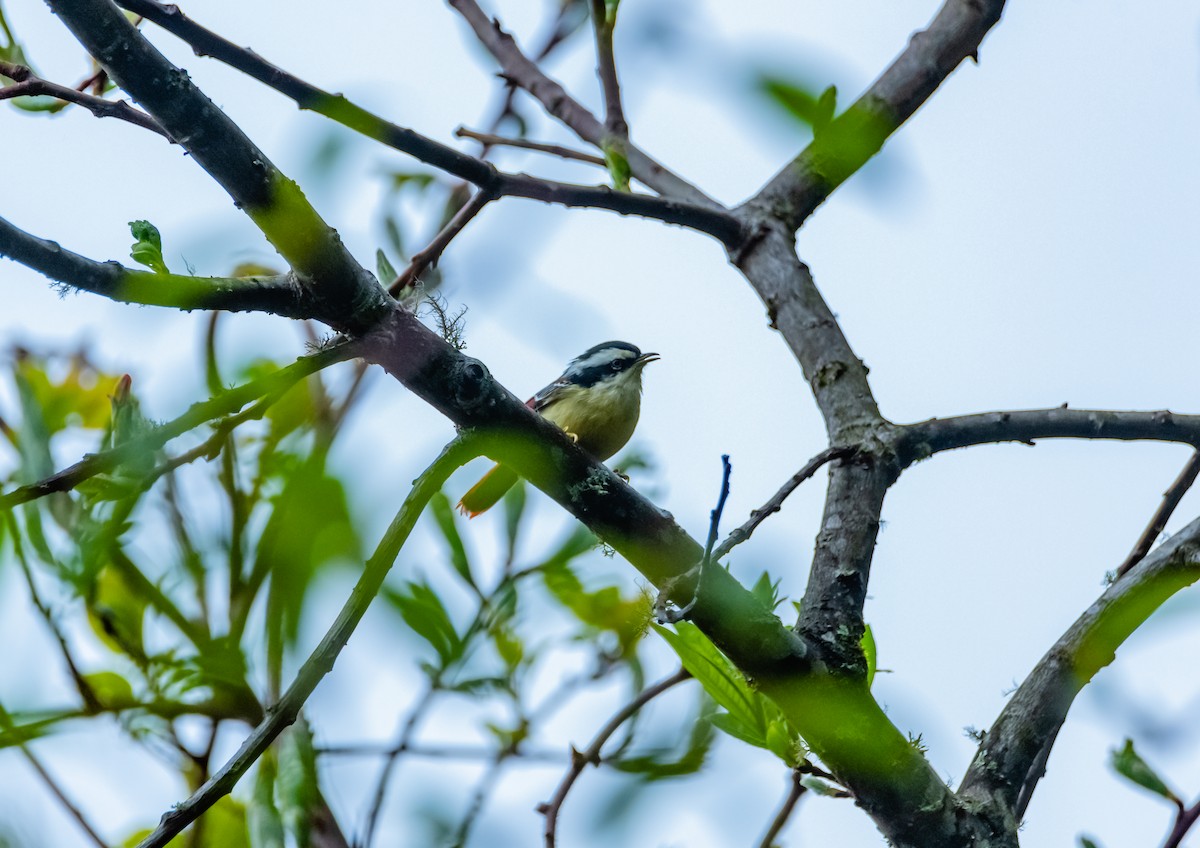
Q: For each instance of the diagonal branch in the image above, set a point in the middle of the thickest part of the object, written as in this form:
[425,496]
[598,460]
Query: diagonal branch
[319,663]
[522,71]
[279,295]
[27,83]
[860,132]
[491,140]
[1006,767]
[428,258]
[758,516]
[1158,522]
[347,296]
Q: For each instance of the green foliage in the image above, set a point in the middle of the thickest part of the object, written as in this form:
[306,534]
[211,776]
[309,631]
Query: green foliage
[796,100]
[296,790]
[444,515]
[147,246]
[223,826]
[1130,765]
[383,267]
[749,715]
[618,165]
[423,611]
[265,823]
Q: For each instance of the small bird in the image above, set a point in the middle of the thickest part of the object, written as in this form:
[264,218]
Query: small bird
[596,401]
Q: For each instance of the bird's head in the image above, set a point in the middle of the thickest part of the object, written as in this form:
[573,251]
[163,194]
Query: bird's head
[608,362]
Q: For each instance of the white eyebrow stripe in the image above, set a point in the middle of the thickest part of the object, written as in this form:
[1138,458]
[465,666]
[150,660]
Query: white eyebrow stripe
[600,357]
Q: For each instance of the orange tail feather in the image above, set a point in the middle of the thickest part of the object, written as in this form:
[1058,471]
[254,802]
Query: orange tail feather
[487,492]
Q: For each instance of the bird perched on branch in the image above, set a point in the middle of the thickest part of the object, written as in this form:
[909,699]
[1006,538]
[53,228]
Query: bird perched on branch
[596,401]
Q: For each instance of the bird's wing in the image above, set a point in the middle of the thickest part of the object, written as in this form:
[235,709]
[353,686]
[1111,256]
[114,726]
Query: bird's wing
[548,395]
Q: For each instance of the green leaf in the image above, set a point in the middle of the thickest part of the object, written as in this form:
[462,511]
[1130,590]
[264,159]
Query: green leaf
[514,511]
[423,611]
[738,729]
[508,645]
[618,166]
[147,246]
[112,690]
[720,679]
[822,788]
[296,785]
[796,100]
[767,592]
[383,267]
[308,528]
[1129,764]
[869,653]
[1085,842]
[443,514]
[266,827]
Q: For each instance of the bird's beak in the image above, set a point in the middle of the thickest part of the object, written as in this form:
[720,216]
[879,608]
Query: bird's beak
[646,358]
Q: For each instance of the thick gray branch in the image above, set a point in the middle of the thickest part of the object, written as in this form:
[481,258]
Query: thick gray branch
[858,133]
[1009,762]
[280,295]
[348,297]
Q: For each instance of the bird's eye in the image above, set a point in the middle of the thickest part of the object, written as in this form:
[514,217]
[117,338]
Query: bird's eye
[616,366]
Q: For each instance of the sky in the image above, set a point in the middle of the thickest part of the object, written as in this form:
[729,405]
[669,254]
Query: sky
[1026,240]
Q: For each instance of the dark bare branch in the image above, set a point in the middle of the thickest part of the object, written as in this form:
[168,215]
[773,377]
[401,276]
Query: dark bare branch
[921,440]
[279,295]
[319,663]
[1005,768]
[795,791]
[346,295]
[1183,823]
[490,140]
[523,72]
[27,83]
[591,755]
[758,516]
[1158,522]
[860,132]
[697,213]
[428,258]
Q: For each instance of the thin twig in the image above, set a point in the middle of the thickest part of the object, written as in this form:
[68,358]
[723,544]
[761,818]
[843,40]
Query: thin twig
[1162,515]
[428,258]
[665,615]
[522,71]
[58,793]
[27,83]
[758,516]
[401,746]
[321,660]
[490,140]
[606,68]
[437,752]
[785,810]
[1183,823]
[591,755]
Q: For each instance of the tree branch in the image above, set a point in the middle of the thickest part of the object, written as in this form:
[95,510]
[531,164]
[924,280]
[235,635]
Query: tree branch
[428,257]
[921,440]
[347,297]
[758,516]
[795,791]
[1004,772]
[606,68]
[27,83]
[1162,515]
[699,214]
[280,295]
[591,755]
[521,71]
[319,663]
[860,132]
[489,140]
[223,404]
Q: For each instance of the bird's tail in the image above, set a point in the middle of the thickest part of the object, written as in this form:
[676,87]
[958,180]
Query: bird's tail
[487,492]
